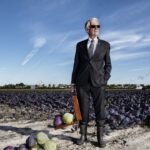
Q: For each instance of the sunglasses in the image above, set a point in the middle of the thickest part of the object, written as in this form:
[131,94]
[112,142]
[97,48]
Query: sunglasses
[94,26]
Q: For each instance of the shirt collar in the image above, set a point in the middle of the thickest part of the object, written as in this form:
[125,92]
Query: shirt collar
[95,39]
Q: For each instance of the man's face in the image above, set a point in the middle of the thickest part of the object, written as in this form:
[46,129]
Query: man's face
[94,28]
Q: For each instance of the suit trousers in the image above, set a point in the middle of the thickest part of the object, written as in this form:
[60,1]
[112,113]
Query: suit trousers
[84,94]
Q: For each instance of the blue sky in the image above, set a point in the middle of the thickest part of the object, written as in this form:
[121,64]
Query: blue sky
[38,39]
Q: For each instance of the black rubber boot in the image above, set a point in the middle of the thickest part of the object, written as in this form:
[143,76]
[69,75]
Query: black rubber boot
[83,138]
[100,140]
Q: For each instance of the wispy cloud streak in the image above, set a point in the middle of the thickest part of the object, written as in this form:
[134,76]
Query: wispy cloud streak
[140,69]
[66,63]
[127,39]
[129,56]
[130,11]
[29,56]
[38,43]
[60,41]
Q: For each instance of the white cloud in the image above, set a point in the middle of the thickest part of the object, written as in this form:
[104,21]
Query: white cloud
[128,56]
[29,56]
[38,43]
[127,39]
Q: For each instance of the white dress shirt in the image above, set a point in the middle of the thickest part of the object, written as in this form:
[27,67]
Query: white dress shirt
[95,43]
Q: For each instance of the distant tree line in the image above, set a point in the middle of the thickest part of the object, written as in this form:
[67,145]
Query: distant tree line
[15,86]
[41,86]
[66,86]
[52,86]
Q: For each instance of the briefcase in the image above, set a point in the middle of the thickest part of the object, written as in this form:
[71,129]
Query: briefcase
[77,113]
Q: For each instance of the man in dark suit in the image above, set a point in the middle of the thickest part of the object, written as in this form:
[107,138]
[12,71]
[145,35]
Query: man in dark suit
[91,71]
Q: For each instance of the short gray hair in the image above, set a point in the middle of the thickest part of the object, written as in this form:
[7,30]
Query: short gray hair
[87,23]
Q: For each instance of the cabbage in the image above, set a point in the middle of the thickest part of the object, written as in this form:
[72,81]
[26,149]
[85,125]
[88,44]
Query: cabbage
[50,145]
[23,147]
[68,118]
[31,141]
[41,138]
[58,120]
[9,148]
[35,147]
[40,148]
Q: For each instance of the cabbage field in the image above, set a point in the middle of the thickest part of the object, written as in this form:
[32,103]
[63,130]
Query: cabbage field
[124,108]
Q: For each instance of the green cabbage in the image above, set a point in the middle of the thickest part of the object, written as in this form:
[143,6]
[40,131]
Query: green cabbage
[34,148]
[37,147]
[68,118]
[41,138]
[50,145]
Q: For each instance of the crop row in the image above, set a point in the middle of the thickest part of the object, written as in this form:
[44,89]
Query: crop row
[123,108]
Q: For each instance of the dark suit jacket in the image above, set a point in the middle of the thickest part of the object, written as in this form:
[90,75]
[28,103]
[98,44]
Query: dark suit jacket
[97,69]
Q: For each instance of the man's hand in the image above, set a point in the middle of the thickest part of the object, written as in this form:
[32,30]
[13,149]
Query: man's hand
[73,88]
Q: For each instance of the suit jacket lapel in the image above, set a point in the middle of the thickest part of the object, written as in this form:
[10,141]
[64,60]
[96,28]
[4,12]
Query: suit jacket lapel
[97,48]
[86,49]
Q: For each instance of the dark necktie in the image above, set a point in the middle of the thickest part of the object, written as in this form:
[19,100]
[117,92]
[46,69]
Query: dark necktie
[91,48]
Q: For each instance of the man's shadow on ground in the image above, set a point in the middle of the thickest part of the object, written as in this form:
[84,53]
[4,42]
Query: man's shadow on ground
[29,131]
[22,131]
